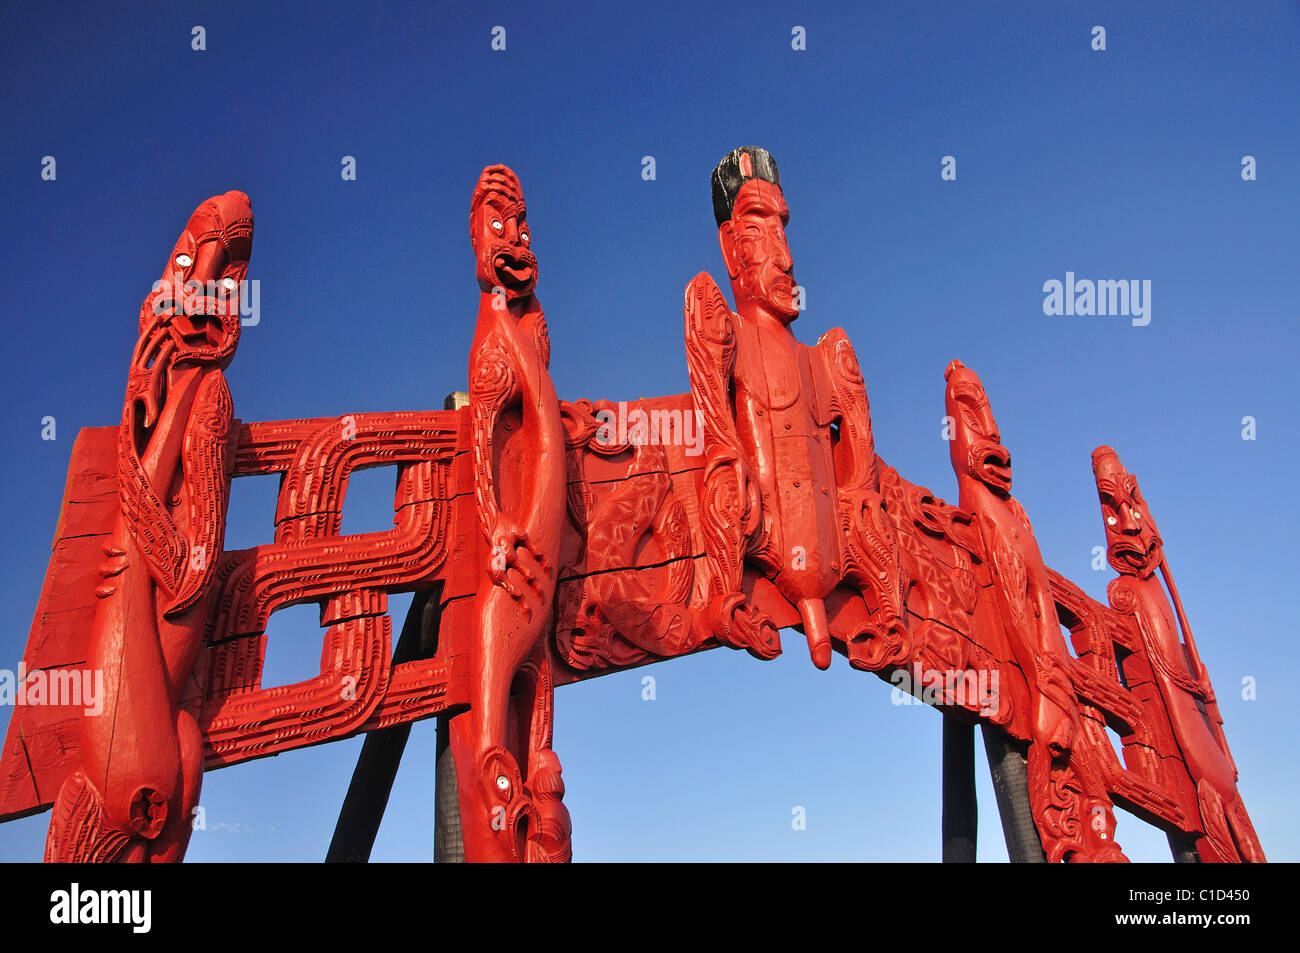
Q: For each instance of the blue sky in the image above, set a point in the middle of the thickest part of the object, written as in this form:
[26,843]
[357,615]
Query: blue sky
[1117,164]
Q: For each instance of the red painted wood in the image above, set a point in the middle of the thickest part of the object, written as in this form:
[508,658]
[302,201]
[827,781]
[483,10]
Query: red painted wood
[575,539]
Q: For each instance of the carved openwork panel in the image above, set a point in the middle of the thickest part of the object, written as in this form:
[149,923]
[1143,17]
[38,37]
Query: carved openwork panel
[349,576]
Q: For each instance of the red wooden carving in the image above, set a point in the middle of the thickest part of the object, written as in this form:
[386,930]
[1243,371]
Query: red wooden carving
[1135,551]
[566,540]
[140,763]
[1071,808]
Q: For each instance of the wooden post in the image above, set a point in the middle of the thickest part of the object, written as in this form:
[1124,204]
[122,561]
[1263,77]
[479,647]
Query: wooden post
[1183,848]
[1010,774]
[448,846]
[960,809]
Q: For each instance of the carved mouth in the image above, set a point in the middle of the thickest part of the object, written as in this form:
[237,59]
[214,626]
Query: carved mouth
[993,465]
[1134,556]
[514,273]
[783,287]
[204,337]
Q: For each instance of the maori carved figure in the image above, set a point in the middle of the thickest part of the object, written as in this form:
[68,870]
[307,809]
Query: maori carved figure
[1135,550]
[131,795]
[519,481]
[789,481]
[1074,815]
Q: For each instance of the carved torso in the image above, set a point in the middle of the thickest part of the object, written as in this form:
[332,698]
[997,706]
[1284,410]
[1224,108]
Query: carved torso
[776,417]
[1184,698]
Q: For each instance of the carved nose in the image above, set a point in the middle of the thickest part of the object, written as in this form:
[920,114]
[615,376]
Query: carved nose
[210,261]
[784,261]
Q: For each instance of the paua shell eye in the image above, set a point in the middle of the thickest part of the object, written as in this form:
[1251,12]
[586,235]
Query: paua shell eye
[1111,521]
[184,260]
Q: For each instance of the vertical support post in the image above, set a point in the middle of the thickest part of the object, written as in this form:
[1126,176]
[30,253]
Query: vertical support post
[448,845]
[1010,773]
[381,753]
[960,809]
[1184,849]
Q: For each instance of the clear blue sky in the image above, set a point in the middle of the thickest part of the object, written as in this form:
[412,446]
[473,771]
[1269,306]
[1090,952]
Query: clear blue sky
[1117,164]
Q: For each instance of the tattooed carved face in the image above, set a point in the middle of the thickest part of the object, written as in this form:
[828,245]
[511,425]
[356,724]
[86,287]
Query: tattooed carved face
[1133,544]
[976,446]
[755,250]
[196,302]
[500,235]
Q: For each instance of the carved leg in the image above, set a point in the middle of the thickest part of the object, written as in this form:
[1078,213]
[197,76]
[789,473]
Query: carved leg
[78,834]
[171,844]
[729,617]
[873,567]
[1243,831]
[1218,844]
[1076,823]
[477,843]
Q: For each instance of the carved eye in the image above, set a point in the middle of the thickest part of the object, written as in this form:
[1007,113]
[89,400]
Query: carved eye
[184,260]
[1137,514]
[524,237]
[1111,521]
[503,783]
[496,225]
[228,283]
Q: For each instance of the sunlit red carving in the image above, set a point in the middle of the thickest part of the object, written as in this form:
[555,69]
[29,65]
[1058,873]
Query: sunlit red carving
[1136,551]
[558,547]
[141,759]
[789,484]
[1075,818]
[519,484]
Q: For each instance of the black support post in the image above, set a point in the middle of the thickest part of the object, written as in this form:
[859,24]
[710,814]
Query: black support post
[1010,774]
[960,810]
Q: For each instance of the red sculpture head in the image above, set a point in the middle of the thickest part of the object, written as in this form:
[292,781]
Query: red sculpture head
[1133,544]
[751,213]
[196,303]
[976,446]
[499,233]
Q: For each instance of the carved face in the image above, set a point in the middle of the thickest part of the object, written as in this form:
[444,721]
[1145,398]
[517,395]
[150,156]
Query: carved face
[545,777]
[196,303]
[976,445]
[500,234]
[1133,544]
[755,250]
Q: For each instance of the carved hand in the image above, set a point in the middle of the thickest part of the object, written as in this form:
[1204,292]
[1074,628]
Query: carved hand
[513,550]
[1052,727]
[748,493]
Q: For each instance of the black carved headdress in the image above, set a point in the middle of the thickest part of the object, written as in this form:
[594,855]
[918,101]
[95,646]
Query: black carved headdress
[737,168]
